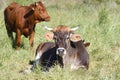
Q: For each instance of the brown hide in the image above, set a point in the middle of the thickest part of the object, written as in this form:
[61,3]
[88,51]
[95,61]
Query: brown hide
[77,55]
[65,40]
[46,55]
[22,20]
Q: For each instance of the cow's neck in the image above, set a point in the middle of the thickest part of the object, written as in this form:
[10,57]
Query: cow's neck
[80,47]
[68,58]
[31,20]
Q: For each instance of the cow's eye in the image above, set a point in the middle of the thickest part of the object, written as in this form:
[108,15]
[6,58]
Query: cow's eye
[41,11]
[54,37]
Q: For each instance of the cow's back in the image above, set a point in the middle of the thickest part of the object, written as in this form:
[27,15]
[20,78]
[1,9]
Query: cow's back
[11,7]
[15,18]
[8,10]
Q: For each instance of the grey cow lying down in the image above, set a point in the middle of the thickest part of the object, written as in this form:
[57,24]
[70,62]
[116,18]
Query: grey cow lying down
[68,49]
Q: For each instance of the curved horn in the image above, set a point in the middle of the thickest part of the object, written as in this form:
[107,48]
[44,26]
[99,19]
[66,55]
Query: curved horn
[73,29]
[49,29]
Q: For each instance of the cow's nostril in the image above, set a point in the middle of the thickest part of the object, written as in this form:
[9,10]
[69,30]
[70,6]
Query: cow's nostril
[47,19]
[60,50]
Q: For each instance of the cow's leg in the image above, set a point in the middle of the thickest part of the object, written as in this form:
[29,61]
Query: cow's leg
[9,31]
[18,39]
[10,35]
[31,39]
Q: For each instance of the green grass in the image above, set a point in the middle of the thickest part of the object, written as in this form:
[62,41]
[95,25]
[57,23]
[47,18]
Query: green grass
[99,24]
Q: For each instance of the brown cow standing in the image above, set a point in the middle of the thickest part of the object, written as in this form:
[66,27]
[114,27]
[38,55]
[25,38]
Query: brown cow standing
[68,46]
[22,20]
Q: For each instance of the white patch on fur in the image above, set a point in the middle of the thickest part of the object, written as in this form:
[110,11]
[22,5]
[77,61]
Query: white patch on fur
[38,55]
[75,67]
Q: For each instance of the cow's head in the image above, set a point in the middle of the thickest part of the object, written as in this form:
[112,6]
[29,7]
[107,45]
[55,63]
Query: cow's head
[62,36]
[38,10]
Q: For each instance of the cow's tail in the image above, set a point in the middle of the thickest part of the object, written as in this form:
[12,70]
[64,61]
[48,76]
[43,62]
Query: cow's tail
[32,66]
[33,63]
[36,61]
[5,16]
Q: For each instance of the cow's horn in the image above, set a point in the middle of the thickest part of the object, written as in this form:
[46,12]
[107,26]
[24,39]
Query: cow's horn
[49,29]
[73,29]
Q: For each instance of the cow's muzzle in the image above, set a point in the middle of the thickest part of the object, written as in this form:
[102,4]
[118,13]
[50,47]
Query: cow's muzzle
[46,19]
[61,51]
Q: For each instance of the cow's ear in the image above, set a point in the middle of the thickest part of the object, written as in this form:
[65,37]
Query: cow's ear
[48,35]
[36,4]
[75,37]
[87,44]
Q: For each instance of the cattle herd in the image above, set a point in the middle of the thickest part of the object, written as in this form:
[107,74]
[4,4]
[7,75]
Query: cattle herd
[68,48]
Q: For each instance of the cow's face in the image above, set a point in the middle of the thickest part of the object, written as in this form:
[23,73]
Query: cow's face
[61,36]
[41,12]
[38,11]
[62,40]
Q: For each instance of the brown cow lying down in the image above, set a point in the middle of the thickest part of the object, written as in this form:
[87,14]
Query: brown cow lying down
[70,46]
[46,56]
[22,20]
[67,50]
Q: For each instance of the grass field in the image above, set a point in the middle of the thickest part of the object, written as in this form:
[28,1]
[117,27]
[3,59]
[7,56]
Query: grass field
[99,22]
